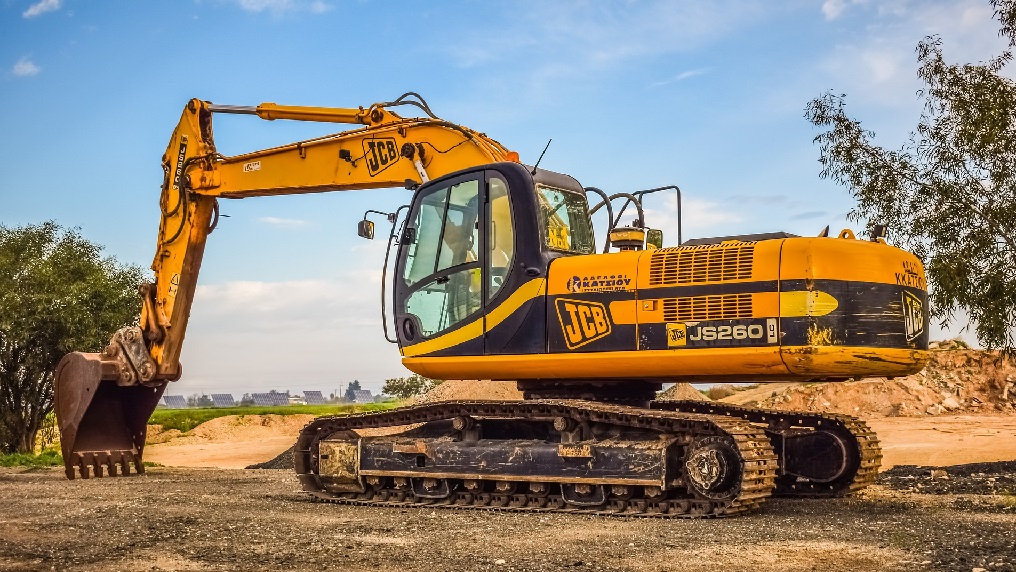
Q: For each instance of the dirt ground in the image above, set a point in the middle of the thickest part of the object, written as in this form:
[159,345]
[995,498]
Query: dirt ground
[213,519]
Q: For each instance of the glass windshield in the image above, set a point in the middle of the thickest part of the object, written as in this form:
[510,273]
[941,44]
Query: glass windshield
[564,220]
[442,271]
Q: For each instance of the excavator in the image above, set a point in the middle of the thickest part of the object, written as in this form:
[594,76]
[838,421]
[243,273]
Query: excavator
[496,276]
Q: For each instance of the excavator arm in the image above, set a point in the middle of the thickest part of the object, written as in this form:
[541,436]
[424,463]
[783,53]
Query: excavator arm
[104,400]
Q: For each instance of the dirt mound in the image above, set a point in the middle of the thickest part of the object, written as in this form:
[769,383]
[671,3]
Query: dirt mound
[232,441]
[468,389]
[955,381]
[231,428]
[284,460]
[682,391]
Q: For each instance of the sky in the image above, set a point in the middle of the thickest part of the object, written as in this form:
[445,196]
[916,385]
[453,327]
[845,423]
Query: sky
[706,95]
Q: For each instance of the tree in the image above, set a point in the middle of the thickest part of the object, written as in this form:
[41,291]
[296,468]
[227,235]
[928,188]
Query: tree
[406,387]
[949,193]
[353,387]
[57,295]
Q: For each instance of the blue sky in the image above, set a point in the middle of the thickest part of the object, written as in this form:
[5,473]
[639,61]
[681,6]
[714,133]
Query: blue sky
[707,95]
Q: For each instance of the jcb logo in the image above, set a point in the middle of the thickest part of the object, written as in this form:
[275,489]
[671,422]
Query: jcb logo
[582,322]
[677,335]
[380,153]
[913,316]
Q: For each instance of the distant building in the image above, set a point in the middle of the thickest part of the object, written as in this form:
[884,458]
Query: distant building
[362,396]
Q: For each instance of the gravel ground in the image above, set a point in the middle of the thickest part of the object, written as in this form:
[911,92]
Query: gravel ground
[209,519]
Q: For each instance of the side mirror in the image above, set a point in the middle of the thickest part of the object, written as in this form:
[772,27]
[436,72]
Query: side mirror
[654,238]
[408,235]
[365,229]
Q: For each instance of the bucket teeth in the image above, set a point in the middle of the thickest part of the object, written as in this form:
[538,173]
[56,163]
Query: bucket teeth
[95,463]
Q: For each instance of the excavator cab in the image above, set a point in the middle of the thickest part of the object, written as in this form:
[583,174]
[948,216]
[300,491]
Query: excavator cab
[467,283]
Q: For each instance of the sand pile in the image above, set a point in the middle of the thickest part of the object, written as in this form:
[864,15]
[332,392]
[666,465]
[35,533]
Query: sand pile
[956,380]
[469,389]
[231,428]
[682,392]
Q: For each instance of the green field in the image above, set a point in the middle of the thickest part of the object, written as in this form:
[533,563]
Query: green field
[186,419]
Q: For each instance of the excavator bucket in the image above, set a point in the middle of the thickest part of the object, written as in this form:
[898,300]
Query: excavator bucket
[102,424]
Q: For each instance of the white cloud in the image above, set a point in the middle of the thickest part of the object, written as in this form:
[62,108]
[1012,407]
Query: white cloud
[40,8]
[878,64]
[282,6]
[833,8]
[25,67]
[283,222]
[570,40]
[680,77]
[319,7]
[296,334]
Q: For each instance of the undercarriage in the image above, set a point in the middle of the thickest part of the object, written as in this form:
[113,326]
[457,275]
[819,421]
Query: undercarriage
[668,459]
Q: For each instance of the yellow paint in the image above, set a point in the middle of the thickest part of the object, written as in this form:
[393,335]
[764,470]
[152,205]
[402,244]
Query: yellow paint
[623,311]
[806,303]
[853,260]
[819,336]
[855,362]
[474,329]
[762,364]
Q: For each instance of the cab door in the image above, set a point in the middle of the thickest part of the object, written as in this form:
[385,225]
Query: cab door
[439,286]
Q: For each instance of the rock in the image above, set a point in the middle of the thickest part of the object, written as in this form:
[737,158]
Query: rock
[939,474]
[950,403]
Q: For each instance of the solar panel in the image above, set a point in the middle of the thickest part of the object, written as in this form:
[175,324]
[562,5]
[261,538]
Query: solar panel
[272,398]
[362,396]
[314,398]
[175,401]
[223,400]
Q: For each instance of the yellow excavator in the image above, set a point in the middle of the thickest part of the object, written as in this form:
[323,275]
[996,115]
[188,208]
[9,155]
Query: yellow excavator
[496,276]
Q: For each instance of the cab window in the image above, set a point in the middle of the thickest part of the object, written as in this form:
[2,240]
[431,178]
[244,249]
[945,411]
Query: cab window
[500,236]
[564,221]
[442,271]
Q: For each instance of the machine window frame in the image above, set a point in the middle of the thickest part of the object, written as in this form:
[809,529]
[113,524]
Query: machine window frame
[544,208]
[446,273]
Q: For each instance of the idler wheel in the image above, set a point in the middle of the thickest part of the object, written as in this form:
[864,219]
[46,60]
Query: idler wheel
[713,468]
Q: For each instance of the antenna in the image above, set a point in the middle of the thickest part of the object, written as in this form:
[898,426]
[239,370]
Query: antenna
[541,157]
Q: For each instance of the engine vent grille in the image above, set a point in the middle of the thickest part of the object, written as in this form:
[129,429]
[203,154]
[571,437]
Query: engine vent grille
[706,263]
[700,308]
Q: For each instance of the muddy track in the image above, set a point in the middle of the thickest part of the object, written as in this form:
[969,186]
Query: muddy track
[758,465]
